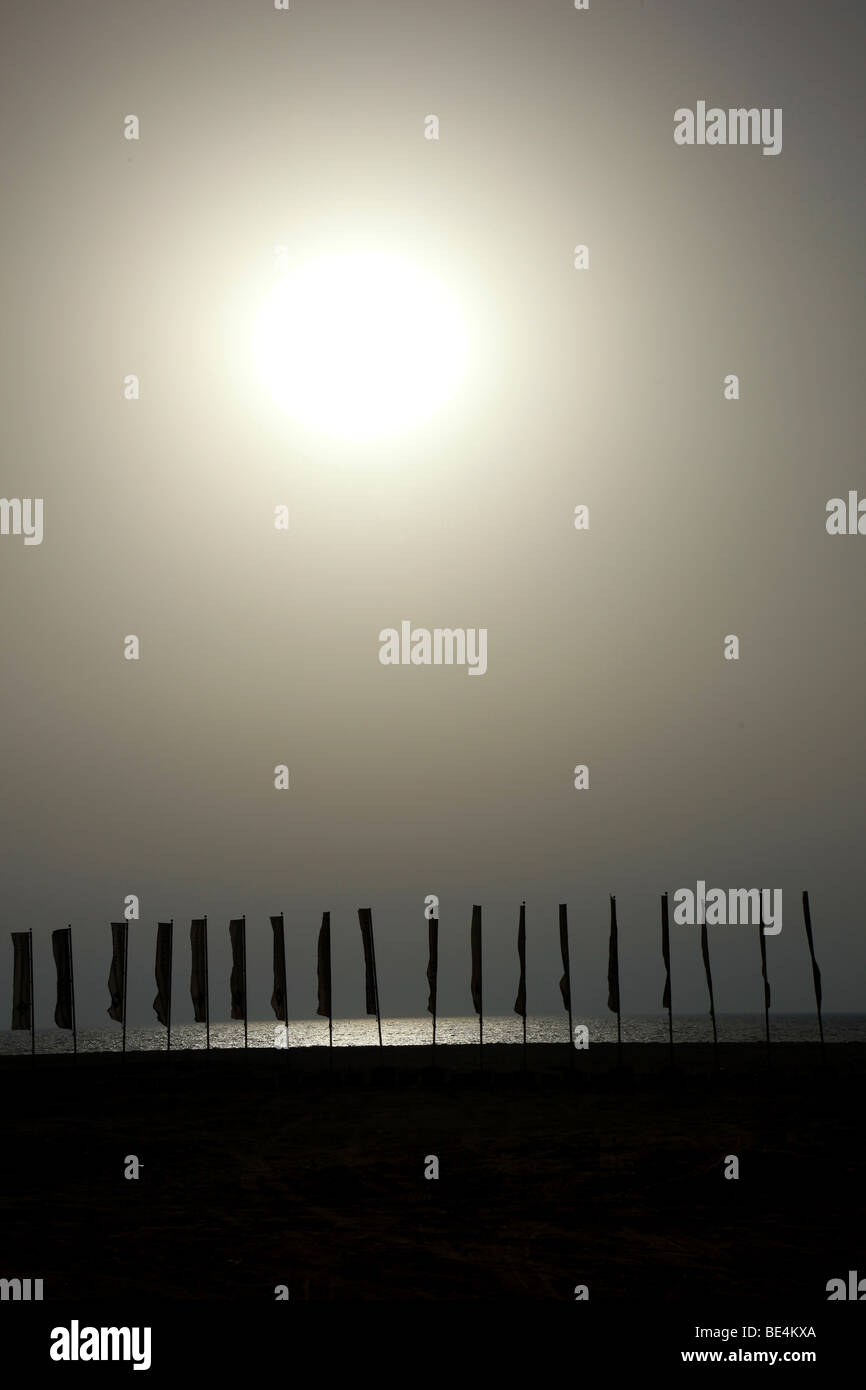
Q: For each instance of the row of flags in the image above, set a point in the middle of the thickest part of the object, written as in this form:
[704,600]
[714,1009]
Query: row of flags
[64,1013]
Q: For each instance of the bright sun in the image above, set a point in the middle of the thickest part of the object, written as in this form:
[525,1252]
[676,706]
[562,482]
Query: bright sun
[360,345]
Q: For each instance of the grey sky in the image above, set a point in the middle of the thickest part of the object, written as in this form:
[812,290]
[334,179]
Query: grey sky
[601,387]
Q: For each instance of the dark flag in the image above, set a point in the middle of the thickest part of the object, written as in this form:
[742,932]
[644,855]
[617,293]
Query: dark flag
[613,1002]
[816,973]
[475,941]
[238,984]
[162,1002]
[198,982]
[365,917]
[565,982]
[324,962]
[117,973]
[433,965]
[666,957]
[22,980]
[520,1001]
[666,953]
[61,945]
[278,998]
[763,941]
[705,952]
[613,962]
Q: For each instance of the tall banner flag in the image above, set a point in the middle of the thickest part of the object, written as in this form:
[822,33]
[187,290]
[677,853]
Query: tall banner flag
[475,943]
[324,974]
[117,973]
[162,972]
[64,1009]
[613,962]
[432,964]
[476,981]
[433,970]
[705,952]
[118,976]
[369,974]
[565,981]
[613,1002]
[22,980]
[238,984]
[198,980]
[279,999]
[666,953]
[666,957]
[520,1001]
[816,973]
[365,917]
[763,940]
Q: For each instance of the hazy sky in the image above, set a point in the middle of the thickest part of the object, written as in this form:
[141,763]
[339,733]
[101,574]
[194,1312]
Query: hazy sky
[601,387]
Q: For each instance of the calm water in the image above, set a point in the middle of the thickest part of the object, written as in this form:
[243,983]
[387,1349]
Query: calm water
[409,1032]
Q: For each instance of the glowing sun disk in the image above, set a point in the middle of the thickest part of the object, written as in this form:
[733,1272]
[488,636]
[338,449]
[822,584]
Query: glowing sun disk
[361,345]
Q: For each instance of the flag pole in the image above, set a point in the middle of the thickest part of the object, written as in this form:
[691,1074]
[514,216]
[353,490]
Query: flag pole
[32,1003]
[566,966]
[72,992]
[480,995]
[206,993]
[433,976]
[285,981]
[436,989]
[125,978]
[170,957]
[330,1000]
[666,952]
[375,979]
[705,952]
[763,944]
[816,973]
[523,912]
[476,985]
[613,977]
[243,954]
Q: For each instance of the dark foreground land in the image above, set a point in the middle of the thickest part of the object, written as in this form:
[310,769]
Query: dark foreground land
[269,1169]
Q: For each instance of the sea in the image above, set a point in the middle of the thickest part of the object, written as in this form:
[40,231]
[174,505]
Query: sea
[417,1032]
